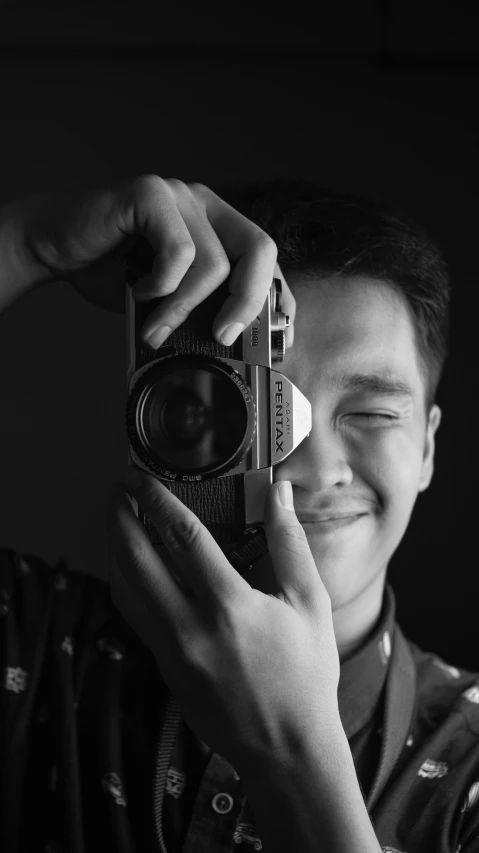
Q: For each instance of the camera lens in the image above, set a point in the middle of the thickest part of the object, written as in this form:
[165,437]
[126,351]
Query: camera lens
[184,419]
[192,418]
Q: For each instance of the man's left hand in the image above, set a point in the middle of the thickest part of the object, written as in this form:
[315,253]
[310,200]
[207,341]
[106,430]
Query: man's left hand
[253,674]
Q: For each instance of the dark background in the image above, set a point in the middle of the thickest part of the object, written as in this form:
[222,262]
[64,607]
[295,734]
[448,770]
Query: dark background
[374,98]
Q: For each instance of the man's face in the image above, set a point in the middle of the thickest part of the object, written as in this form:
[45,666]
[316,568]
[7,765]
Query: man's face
[371,447]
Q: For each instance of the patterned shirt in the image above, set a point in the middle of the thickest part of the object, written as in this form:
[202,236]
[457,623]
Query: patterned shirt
[88,762]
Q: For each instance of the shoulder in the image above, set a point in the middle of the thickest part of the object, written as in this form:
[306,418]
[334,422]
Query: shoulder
[443,688]
[43,604]
[432,799]
[36,598]
[21,572]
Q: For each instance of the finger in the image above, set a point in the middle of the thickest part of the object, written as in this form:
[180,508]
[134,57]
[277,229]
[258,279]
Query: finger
[174,568]
[208,270]
[294,565]
[141,565]
[145,289]
[133,610]
[210,574]
[252,255]
[148,206]
[139,618]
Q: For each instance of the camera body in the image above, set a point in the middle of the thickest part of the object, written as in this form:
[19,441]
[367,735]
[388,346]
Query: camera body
[211,421]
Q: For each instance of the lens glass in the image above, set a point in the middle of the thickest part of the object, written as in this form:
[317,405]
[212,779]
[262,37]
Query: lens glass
[193,419]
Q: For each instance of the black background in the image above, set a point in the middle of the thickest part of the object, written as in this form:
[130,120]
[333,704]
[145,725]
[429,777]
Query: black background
[369,98]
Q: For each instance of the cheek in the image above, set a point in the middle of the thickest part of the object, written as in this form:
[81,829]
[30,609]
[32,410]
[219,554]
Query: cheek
[390,462]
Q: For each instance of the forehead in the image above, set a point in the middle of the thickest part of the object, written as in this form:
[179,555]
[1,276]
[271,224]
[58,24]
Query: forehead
[345,325]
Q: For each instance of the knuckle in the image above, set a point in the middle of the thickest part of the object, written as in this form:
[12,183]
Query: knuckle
[198,189]
[265,244]
[182,309]
[146,184]
[176,185]
[174,532]
[180,534]
[178,251]
[139,555]
[218,267]
[190,652]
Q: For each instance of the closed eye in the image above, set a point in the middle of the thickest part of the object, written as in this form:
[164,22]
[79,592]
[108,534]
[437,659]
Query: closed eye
[373,416]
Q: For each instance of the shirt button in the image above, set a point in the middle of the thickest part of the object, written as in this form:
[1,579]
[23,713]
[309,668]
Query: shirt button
[222,803]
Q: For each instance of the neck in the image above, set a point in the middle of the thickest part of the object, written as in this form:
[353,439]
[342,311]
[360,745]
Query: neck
[356,619]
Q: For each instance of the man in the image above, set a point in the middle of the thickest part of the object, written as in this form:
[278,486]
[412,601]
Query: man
[289,712]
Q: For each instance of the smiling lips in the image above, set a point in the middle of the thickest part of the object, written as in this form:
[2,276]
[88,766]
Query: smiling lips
[335,516]
[332,523]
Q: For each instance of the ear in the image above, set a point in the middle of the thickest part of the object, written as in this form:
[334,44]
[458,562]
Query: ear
[433,421]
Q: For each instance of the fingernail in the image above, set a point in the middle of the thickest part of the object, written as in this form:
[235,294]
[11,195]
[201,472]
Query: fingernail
[156,338]
[285,494]
[229,335]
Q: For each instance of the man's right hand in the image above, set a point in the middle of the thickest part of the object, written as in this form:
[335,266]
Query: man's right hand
[198,239]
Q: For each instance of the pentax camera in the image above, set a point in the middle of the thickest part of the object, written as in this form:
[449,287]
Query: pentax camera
[211,421]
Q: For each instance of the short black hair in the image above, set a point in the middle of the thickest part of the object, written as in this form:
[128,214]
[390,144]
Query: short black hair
[319,230]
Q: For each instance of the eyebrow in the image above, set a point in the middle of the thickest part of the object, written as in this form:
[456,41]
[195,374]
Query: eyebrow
[385,385]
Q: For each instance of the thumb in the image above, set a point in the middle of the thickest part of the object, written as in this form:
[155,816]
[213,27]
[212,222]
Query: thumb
[291,556]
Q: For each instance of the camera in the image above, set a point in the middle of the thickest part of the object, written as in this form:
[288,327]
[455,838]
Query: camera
[211,421]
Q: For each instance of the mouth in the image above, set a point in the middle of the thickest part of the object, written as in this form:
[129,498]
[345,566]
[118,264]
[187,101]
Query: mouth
[333,522]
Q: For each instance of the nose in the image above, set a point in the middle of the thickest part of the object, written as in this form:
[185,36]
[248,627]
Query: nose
[319,463]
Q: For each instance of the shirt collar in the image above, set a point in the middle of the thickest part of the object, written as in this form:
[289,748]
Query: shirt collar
[362,676]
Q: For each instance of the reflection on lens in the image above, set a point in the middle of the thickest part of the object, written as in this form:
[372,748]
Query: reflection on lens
[193,418]
[185,419]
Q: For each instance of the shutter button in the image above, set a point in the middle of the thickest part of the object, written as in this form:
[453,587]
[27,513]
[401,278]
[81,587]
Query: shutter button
[222,803]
